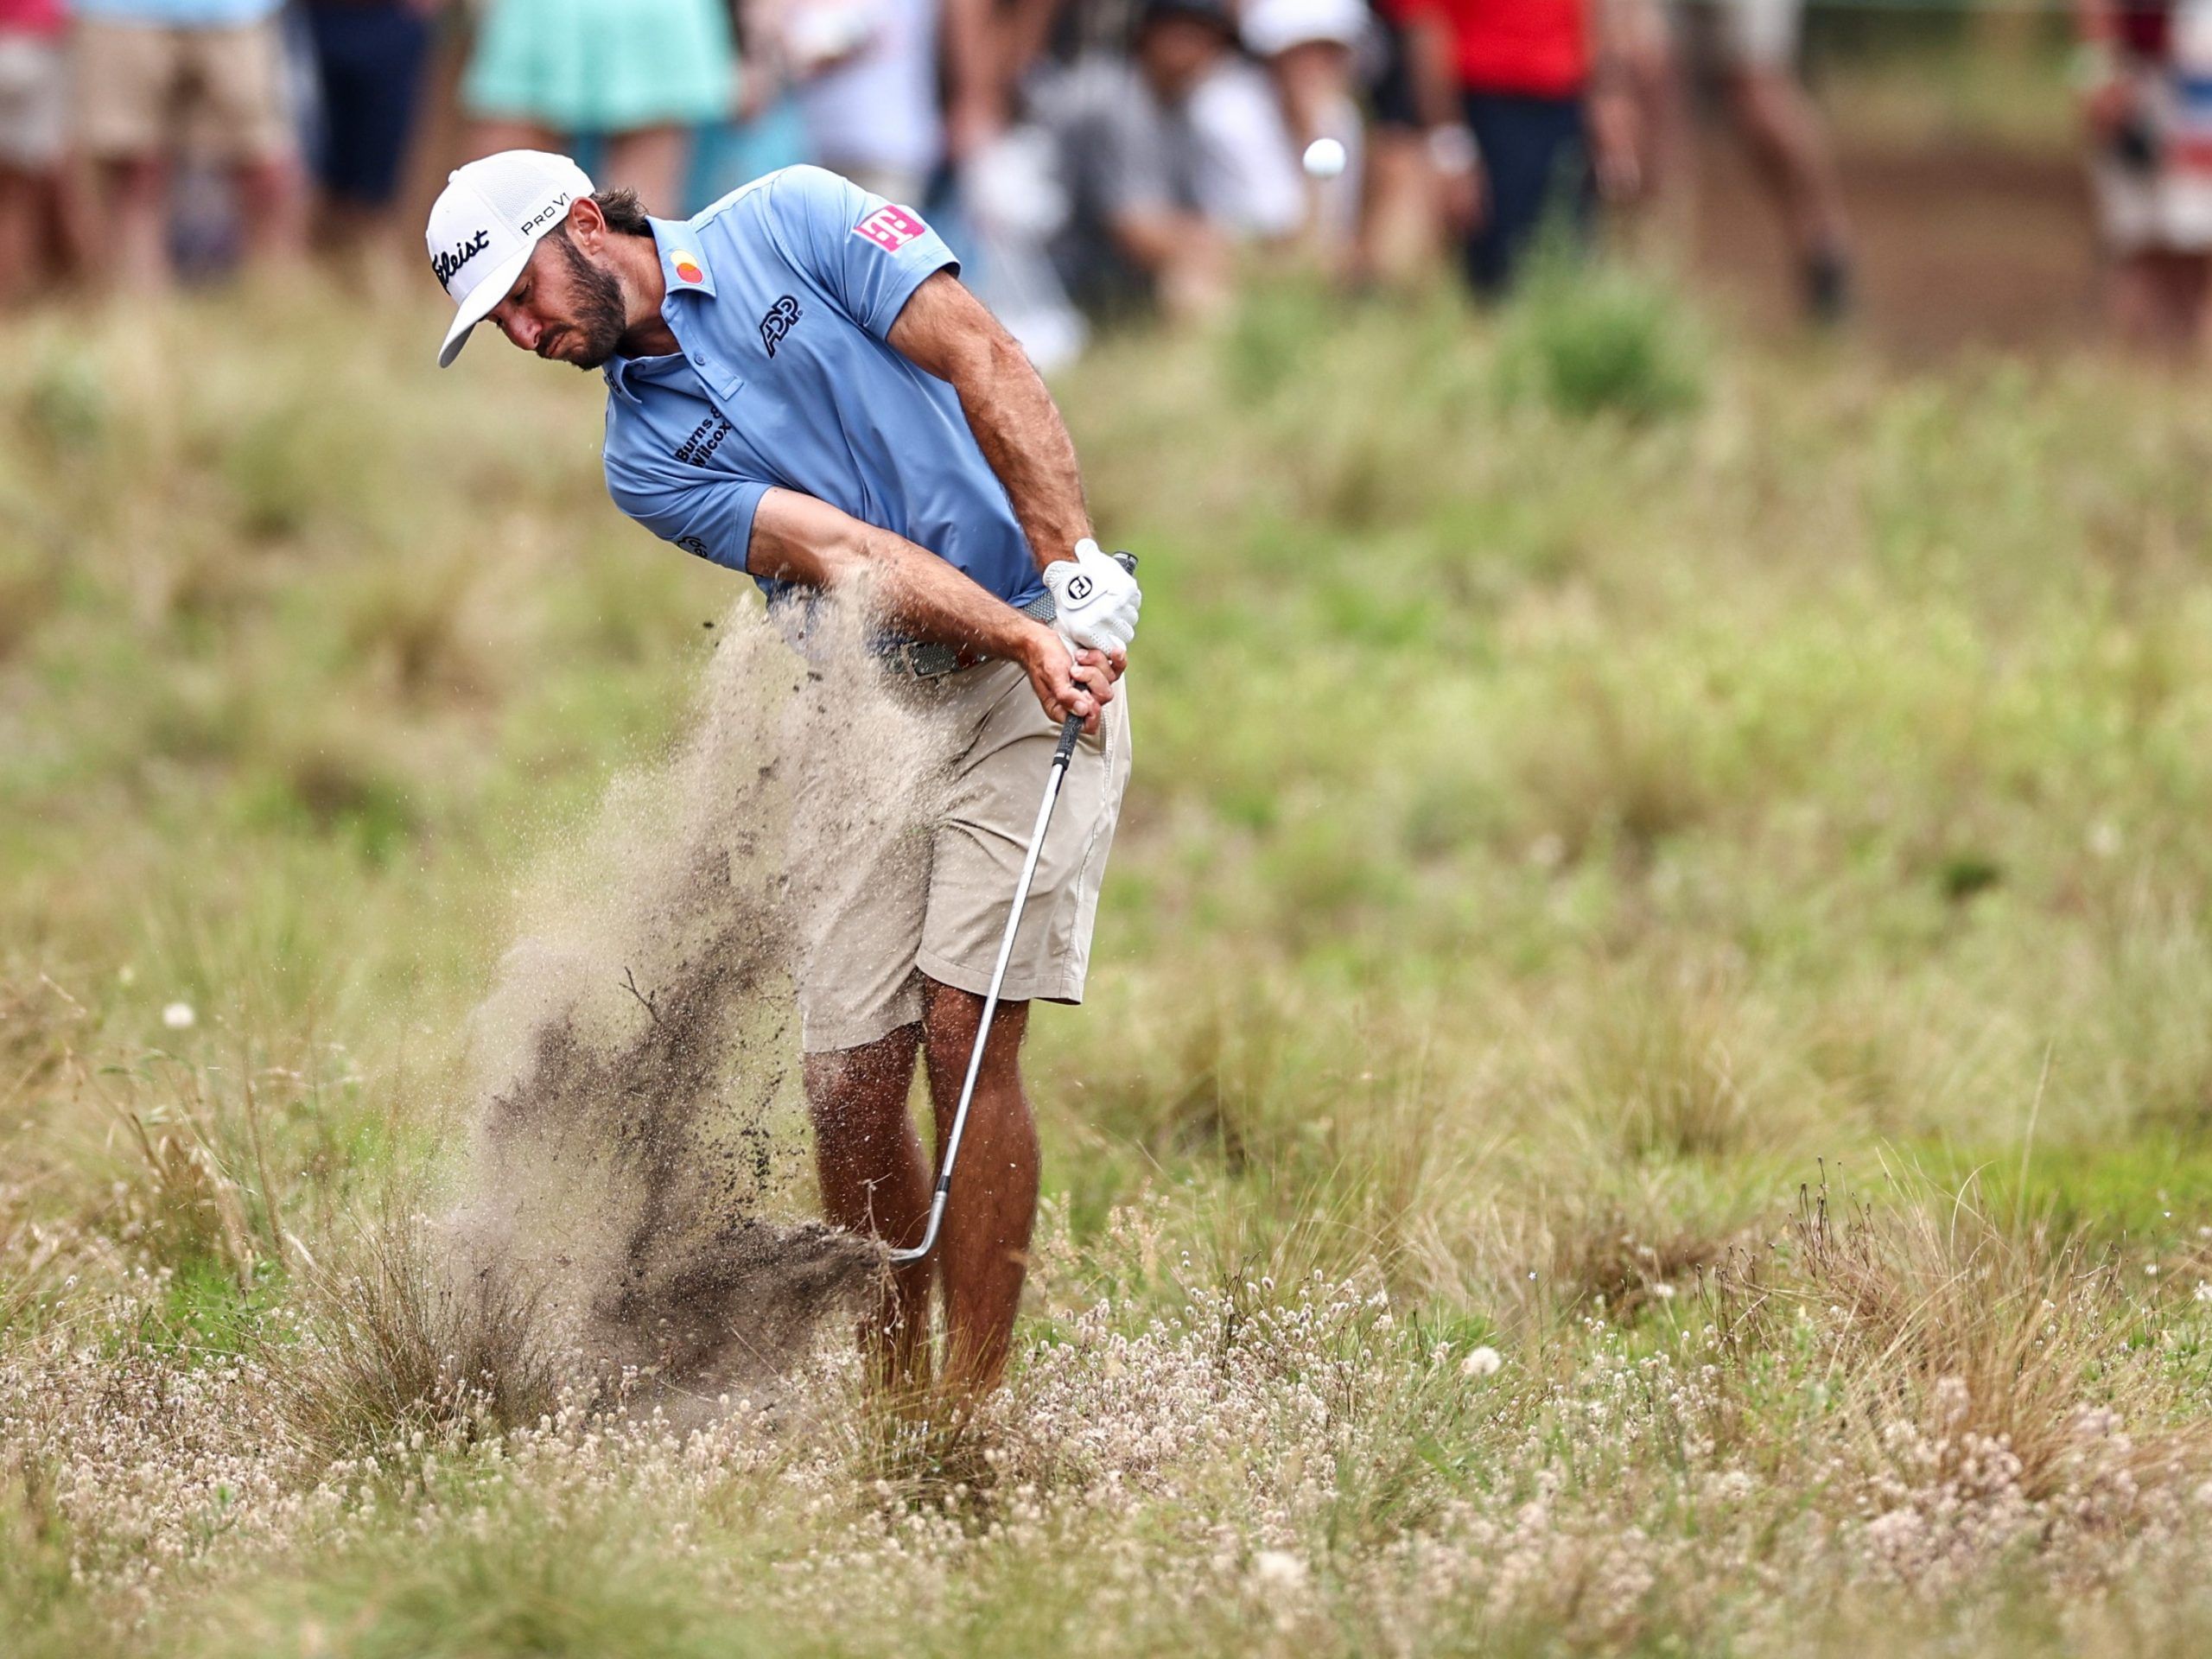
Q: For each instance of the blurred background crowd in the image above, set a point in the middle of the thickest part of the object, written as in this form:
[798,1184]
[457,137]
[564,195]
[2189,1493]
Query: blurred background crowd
[1091,158]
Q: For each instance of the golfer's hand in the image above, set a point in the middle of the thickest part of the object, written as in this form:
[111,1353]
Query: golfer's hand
[1080,684]
[1095,600]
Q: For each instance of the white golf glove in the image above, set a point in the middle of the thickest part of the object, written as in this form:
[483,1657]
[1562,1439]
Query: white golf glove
[1094,601]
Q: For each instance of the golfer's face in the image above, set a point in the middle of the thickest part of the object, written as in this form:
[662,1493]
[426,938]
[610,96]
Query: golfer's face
[543,310]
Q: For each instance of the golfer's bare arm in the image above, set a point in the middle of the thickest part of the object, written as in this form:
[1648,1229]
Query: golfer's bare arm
[801,539]
[945,330]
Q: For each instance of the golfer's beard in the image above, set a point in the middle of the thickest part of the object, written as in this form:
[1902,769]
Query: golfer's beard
[600,320]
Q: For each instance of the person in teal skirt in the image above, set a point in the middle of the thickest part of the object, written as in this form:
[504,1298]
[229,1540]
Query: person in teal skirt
[637,74]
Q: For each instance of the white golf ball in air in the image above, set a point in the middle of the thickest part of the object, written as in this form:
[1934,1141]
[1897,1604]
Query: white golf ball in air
[1325,158]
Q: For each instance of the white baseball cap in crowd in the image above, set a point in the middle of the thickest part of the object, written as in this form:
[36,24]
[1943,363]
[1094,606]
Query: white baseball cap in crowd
[487,223]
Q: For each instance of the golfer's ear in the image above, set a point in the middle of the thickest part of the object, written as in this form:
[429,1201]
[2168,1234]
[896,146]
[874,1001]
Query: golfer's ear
[586,225]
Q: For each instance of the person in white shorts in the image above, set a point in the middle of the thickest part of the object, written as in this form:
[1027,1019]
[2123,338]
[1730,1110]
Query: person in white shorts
[1750,49]
[2146,78]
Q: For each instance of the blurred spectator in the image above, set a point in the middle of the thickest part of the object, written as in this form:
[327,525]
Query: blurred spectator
[2147,80]
[369,58]
[1398,206]
[155,78]
[1749,48]
[1171,160]
[867,78]
[34,121]
[637,74]
[1308,47]
[1507,85]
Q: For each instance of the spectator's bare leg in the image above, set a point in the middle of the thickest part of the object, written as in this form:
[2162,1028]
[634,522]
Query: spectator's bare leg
[1651,78]
[1791,148]
[2192,299]
[135,196]
[22,203]
[1400,227]
[272,206]
[651,161]
[2156,302]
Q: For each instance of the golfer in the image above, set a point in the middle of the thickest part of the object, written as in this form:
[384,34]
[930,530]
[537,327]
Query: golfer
[799,388]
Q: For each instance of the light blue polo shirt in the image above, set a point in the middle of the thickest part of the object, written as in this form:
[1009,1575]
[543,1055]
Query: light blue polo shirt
[781,295]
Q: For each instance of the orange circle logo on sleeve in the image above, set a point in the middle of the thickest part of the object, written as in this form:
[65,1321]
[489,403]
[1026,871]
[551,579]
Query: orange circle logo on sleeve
[686,269]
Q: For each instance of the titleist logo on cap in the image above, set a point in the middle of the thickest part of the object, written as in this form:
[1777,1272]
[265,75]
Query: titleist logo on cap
[444,264]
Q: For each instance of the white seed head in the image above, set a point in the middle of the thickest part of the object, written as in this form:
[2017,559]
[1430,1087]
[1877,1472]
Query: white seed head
[1482,1362]
[179,1016]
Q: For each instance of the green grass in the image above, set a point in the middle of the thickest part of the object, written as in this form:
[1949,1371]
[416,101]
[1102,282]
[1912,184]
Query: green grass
[1680,863]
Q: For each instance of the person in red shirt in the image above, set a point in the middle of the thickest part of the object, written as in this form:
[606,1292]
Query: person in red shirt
[1519,126]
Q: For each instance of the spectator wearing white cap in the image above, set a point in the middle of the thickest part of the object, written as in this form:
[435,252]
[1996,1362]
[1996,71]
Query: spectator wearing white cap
[1310,48]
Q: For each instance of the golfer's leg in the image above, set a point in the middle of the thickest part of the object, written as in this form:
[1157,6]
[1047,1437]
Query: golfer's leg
[983,1250]
[868,1161]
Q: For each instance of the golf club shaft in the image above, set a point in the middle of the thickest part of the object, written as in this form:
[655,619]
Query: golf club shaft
[1070,729]
[1070,732]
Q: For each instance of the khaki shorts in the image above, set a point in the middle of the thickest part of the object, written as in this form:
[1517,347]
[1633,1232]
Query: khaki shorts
[145,89]
[935,907]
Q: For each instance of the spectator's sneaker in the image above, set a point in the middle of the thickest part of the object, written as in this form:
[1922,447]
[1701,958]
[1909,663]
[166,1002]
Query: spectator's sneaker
[1828,287]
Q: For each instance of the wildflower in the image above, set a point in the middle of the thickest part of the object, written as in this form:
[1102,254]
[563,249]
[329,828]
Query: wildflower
[1481,1362]
[2204,1290]
[179,1016]
[1279,1569]
[1665,1293]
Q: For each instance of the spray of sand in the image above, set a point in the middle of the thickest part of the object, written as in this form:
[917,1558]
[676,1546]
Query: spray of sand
[637,1142]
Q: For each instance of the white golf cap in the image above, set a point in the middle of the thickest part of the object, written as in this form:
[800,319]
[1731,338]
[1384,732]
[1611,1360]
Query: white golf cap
[486,224]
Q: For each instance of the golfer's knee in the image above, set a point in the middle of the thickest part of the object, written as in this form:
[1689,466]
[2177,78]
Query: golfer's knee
[860,1090]
[948,1030]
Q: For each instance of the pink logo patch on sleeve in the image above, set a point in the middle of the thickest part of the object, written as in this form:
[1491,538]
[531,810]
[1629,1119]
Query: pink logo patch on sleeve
[890,228]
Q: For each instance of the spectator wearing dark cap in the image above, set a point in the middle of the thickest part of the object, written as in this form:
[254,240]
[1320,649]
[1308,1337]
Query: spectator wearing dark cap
[1174,156]
[369,58]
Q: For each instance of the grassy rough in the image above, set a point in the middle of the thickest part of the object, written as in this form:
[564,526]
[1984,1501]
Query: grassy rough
[1646,1086]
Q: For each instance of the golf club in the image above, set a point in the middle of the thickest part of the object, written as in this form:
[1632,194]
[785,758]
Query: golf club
[1070,730]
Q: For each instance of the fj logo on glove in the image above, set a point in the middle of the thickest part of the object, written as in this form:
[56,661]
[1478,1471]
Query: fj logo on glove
[1079,589]
[444,264]
[782,318]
